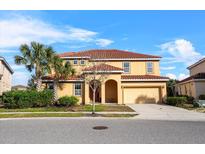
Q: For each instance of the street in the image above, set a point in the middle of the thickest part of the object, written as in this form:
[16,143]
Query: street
[80,130]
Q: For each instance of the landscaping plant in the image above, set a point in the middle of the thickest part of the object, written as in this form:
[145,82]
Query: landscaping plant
[26,99]
[68,101]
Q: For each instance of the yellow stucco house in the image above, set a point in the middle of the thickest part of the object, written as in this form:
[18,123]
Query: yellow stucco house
[130,77]
[194,85]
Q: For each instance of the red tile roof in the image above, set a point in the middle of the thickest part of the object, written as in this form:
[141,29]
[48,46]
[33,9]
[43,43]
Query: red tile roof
[107,54]
[196,76]
[51,77]
[141,77]
[103,67]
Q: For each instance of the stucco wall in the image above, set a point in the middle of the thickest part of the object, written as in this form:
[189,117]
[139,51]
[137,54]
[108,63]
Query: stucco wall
[187,88]
[136,67]
[200,88]
[5,82]
[198,68]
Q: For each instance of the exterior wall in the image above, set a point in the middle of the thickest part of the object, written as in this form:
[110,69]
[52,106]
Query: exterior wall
[5,82]
[200,88]
[115,77]
[67,89]
[136,67]
[187,88]
[198,68]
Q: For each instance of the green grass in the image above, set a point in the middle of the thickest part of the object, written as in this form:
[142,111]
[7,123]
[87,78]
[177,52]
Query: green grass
[30,115]
[77,108]
[192,108]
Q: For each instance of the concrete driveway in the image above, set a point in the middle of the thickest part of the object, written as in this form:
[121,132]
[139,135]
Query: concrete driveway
[165,112]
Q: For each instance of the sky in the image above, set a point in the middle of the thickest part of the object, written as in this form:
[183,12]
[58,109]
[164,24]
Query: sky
[177,36]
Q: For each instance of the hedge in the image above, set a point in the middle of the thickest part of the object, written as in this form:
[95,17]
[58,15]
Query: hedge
[68,101]
[202,97]
[26,99]
[176,101]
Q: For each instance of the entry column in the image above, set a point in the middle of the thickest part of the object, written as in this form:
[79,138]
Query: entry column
[103,93]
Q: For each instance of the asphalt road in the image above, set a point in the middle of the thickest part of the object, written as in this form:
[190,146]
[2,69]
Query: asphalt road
[119,131]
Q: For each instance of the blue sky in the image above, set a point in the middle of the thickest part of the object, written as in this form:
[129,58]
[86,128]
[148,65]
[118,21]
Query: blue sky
[177,36]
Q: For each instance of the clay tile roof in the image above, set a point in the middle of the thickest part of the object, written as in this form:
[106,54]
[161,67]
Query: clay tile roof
[103,67]
[50,77]
[141,77]
[196,76]
[107,54]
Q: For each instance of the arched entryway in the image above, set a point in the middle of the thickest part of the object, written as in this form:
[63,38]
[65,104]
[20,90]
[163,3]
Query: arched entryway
[97,92]
[111,91]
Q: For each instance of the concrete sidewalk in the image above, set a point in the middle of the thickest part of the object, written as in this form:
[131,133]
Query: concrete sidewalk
[165,112]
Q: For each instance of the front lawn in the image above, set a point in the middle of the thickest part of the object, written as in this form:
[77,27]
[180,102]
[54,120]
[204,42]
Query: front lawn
[77,108]
[30,115]
[192,108]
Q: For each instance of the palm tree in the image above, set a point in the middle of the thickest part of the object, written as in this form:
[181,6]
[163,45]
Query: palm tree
[171,87]
[35,57]
[61,71]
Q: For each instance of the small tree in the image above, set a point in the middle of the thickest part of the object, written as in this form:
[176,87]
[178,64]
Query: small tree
[94,79]
[61,71]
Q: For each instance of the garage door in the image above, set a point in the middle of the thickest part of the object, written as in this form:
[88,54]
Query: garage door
[141,95]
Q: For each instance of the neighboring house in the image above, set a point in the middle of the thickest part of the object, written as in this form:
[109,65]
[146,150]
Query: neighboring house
[19,87]
[5,76]
[131,77]
[194,85]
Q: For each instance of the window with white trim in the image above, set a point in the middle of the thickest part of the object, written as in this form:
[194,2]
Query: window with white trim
[126,67]
[77,89]
[75,61]
[149,67]
[82,62]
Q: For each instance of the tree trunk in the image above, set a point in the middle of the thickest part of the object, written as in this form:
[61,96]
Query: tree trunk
[55,94]
[38,85]
[93,109]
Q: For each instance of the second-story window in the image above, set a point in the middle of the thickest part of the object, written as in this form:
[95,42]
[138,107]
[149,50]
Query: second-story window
[149,67]
[82,62]
[126,67]
[75,61]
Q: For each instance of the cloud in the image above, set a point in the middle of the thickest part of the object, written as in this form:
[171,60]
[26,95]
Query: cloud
[171,76]
[8,51]
[20,29]
[20,77]
[80,34]
[168,68]
[17,67]
[181,76]
[181,50]
[125,38]
[103,42]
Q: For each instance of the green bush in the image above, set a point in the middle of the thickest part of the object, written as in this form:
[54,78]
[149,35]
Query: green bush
[202,97]
[27,98]
[176,101]
[68,101]
[190,99]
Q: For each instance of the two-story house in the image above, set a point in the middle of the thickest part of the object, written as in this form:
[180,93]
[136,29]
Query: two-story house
[5,76]
[194,85]
[131,77]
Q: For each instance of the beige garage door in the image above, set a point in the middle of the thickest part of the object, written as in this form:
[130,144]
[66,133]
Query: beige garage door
[141,95]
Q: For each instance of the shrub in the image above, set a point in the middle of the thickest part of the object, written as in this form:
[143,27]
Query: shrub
[202,97]
[68,101]
[176,101]
[190,99]
[27,98]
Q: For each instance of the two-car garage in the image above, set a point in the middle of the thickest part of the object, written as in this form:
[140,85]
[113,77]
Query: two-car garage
[141,95]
